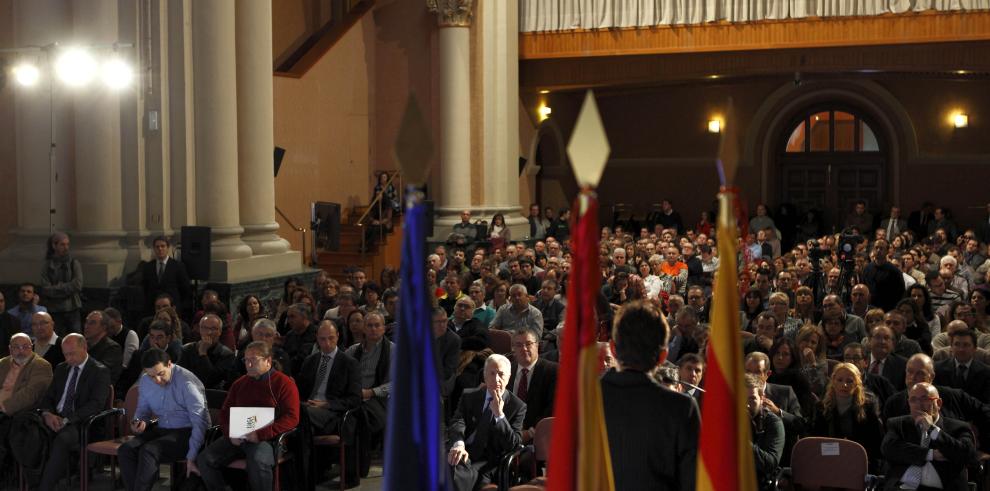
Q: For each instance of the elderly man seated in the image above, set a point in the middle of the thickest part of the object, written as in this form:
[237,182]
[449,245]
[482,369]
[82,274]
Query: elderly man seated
[518,312]
[925,450]
[24,377]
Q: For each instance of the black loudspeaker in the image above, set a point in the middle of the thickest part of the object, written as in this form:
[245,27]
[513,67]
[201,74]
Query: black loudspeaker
[326,223]
[429,216]
[196,252]
[279,155]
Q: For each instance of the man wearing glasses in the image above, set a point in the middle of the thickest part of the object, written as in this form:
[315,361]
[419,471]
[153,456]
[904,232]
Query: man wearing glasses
[24,377]
[533,379]
[261,387]
[925,450]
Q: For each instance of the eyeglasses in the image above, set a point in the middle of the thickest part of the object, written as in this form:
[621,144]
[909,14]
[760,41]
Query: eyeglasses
[920,400]
[527,344]
[254,360]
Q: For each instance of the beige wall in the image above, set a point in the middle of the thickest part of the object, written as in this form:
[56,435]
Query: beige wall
[8,165]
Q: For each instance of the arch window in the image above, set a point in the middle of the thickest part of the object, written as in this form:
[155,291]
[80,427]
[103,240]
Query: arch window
[831,130]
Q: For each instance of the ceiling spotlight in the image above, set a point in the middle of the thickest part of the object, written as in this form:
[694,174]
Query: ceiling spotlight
[26,74]
[75,67]
[116,73]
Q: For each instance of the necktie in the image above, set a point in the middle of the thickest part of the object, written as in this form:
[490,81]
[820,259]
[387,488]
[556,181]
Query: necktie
[161,269]
[913,475]
[70,393]
[961,375]
[523,389]
[321,373]
[890,229]
[875,367]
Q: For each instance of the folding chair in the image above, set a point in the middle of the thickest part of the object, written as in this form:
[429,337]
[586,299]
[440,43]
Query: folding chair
[112,427]
[815,459]
[339,441]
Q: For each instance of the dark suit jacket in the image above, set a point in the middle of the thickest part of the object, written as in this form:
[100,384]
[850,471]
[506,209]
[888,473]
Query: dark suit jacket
[539,393]
[977,378]
[92,391]
[902,449]
[448,355]
[652,433]
[217,370]
[175,282]
[900,225]
[879,386]
[894,368]
[790,413]
[956,404]
[343,390]
[111,355]
[9,326]
[868,433]
[502,436]
[54,354]
[474,335]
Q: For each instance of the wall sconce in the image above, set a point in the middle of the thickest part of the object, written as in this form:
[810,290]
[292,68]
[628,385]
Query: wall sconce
[714,126]
[960,120]
[544,111]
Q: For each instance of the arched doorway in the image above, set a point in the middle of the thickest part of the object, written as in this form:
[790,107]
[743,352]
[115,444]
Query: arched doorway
[829,156]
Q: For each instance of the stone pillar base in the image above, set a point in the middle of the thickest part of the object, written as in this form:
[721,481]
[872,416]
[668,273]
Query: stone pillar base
[256,267]
[101,255]
[23,259]
[226,244]
[263,239]
[446,218]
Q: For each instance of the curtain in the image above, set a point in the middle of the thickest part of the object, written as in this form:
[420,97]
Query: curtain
[563,15]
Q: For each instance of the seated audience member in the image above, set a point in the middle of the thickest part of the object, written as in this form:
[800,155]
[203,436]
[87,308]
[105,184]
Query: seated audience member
[96,330]
[883,361]
[766,333]
[955,403]
[250,310]
[210,361]
[518,312]
[848,411]
[163,302]
[962,371]
[452,293]
[261,387]
[903,346]
[24,378]
[474,335]
[122,335]
[811,346]
[780,400]
[836,338]
[447,346]
[264,330]
[533,380]
[26,307]
[926,450]
[549,306]
[832,307]
[300,338]
[691,371]
[482,312]
[161,335]
[79,389]
[683,339]
[464,232]
[177,399]
[652,431]
[346,303]
[374,356]
[916,327]
[767,432]
[786,370]
[47,344]
[881,388]
[487,424]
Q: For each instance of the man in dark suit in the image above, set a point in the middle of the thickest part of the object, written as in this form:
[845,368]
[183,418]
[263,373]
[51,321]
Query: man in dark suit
[208,359]
[767,432]
[925,450]
[883,361]
[855,353]
[893,224]
[329,384]
[474,334]
[101,347]
[80,388]
[691,370]
[963,371]
[47,344]
[919,220]
[447,347]
[533,380]
[164,275]
[487,424]
[780,400]
[652,431]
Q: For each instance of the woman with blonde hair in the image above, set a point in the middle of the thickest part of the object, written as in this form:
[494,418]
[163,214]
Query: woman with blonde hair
[851,412]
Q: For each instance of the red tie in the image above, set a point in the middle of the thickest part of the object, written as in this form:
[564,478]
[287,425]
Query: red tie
[523,384]
[875,369]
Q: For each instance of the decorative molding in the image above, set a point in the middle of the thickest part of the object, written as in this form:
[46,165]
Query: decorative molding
[452,13]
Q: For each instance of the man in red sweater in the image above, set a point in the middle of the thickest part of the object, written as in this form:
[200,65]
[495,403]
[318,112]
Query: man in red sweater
[261,387]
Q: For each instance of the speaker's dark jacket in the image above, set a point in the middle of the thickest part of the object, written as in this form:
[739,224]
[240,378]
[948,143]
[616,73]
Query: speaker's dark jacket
[174,281]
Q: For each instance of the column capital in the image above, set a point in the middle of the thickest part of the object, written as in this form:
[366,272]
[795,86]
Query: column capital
[452,13]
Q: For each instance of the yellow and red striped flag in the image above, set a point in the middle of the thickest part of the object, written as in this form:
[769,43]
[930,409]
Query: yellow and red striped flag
[725,451]
[579,455]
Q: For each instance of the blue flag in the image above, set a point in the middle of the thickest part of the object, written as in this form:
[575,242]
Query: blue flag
[413,445]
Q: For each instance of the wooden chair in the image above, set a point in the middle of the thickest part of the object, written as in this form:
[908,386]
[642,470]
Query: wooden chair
[113,427]
[500,341]
[534,455]
[815,459]
[339,441]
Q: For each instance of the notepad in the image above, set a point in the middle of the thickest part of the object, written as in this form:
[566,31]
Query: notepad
[244,420]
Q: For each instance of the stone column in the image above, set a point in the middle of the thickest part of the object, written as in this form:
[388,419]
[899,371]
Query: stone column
[255,128]
[37,23]
[99,230]
[454,21]
[215,108]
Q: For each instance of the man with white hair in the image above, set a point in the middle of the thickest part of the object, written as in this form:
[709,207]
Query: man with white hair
[949,270]
[487,424]
[518,312]
[24,378]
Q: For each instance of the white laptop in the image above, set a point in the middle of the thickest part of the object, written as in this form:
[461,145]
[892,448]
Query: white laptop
[244,420]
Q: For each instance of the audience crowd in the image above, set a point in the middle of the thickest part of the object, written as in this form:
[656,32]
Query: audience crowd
[877,334]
